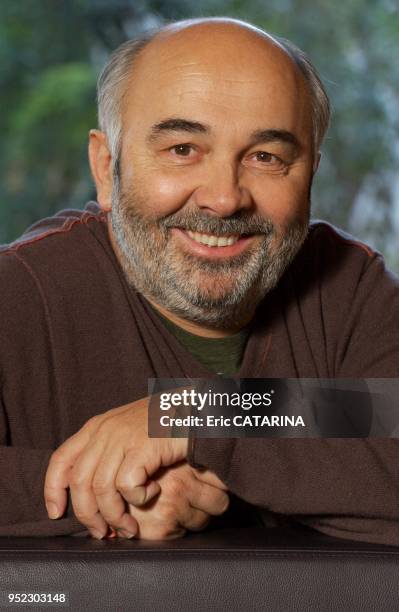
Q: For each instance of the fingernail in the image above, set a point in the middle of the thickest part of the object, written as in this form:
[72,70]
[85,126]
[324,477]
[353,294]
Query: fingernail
[122,533]
[96,534]
[52,510]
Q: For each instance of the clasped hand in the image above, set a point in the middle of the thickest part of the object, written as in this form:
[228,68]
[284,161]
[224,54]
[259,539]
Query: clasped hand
[119,477]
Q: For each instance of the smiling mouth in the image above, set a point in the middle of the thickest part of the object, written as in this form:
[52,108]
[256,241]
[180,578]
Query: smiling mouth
[214,240]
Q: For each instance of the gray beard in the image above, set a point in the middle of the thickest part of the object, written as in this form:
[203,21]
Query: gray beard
[175,280]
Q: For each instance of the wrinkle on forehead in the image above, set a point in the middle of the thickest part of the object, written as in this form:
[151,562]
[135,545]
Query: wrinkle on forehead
[195,69]
[164,71]
[216,65]
[224,47]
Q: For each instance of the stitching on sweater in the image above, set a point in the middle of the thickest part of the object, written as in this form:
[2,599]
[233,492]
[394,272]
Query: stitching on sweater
[284,317]
[64,229]
[357,243]
[264,355]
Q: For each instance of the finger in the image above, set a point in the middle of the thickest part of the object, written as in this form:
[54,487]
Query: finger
[139,496]
[111,504]
[208,499]
[195,520]
[209,477]
[178,513]
[160,532]
[83,498]
[57,475]
[92,518]
[133,479]
[142,461]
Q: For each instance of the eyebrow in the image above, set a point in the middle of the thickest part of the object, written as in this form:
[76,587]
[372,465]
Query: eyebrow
[195,127]
[260,136]
[177,125]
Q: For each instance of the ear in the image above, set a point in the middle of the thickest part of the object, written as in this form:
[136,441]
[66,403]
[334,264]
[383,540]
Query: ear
[100,159]
[316,162]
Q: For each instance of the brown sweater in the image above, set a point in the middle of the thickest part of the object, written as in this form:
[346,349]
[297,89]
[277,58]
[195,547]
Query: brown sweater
[75,341]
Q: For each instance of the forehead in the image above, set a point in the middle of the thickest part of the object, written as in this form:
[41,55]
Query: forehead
[219,76]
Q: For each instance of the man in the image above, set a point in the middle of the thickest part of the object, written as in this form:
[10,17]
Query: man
[199,246]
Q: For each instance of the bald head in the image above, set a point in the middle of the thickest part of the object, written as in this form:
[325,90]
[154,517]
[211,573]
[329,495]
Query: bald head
[223,28]
[231,49]
[222,47]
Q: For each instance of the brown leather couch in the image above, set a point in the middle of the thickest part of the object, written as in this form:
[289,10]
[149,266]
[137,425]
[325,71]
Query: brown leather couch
[248,569]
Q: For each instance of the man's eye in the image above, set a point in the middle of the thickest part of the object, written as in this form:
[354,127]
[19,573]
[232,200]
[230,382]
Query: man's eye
[263,160]
[267,158]
[183,150]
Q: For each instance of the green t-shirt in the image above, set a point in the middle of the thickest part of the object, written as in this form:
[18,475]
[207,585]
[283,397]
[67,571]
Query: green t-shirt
[220,355]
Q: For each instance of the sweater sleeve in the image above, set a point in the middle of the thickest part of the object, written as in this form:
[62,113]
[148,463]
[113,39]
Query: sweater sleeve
[22,508]
[26,438]
[346,488]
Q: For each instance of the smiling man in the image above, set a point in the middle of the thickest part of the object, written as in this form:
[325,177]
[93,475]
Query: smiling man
[209,198]
[198,259]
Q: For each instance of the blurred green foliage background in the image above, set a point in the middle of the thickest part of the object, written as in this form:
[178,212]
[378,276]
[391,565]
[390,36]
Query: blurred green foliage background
[51,52]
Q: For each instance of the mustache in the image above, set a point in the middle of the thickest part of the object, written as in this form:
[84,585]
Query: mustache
[238,223]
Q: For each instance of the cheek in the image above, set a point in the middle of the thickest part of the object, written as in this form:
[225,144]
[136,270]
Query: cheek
[166,195]
[283,200]
[159,192]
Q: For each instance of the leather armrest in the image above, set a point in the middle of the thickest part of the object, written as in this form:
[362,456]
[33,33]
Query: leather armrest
[229,569]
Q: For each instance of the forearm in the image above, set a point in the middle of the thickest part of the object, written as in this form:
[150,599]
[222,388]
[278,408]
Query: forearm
[357,477]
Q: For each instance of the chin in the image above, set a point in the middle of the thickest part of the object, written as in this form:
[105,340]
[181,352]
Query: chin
[214,290]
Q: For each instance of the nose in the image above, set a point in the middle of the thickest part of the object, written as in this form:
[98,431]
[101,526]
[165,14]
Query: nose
[221,191]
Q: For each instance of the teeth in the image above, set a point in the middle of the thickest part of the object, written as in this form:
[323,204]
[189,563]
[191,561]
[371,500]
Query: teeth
[212,240]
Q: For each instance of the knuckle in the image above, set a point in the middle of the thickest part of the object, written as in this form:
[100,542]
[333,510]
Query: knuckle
[112,517]
[100,486]
[175,488]
[57,456]
[51,485]
[123,486]
[105,424]
[78,480]
[92,422]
